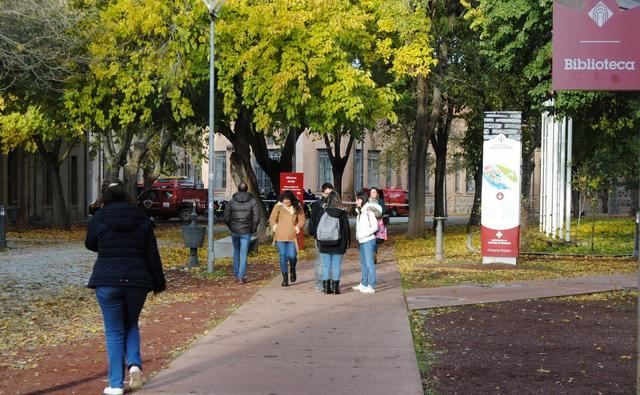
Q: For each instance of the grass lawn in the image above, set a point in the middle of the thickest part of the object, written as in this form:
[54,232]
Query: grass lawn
[418,267]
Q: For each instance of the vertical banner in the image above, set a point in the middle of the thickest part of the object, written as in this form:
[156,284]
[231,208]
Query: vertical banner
[501,160]
[294,182]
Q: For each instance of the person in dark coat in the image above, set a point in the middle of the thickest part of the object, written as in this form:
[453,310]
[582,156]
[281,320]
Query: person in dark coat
[331,252]
[242,217]
[317,208]
[128,267]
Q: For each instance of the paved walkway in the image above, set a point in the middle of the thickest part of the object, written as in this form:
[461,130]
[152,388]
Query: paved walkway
[297,341]
[425,298]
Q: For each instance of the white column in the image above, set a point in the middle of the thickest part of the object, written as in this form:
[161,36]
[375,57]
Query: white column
[543,165]
[561,182]
[567,234]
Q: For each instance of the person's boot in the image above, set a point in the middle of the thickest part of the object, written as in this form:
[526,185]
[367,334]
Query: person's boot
[292,271]
[326,285]
[335,285]
[285,279]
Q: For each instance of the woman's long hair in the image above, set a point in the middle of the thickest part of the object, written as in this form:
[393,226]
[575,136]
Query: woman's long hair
[333,200]
[113,191]
[287,194]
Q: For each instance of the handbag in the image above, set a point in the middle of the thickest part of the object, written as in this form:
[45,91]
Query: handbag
[381,234]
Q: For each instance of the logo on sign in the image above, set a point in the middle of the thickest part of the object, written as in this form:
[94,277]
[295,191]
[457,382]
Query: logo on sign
[600,14]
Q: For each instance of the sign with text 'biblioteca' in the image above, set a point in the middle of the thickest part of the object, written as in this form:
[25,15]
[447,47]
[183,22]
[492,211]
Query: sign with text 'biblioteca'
[501,158]
[596,46]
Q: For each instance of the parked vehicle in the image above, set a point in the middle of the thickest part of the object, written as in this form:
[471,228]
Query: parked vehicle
[173,197]
[396,200]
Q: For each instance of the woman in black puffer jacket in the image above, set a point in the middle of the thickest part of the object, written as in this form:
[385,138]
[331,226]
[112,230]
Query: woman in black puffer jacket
[127,269]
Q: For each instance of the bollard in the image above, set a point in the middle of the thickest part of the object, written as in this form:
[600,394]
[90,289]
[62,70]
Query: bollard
[193,236]
[636,244]
[439,237]
[3,239]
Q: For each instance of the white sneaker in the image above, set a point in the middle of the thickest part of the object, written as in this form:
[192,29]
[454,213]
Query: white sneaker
[358,287]
[135,377]
[113,391]
[368,290]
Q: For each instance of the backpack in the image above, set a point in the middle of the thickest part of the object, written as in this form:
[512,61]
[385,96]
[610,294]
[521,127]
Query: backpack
[328,231]
[381,233]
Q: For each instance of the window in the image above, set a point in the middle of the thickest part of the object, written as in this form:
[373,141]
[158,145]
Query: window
[325,170]
[264,182]
[456,166]
[389,173]
[73,178]
[220,170]
[373,165]
[471,184]
[357,171]
[427,174]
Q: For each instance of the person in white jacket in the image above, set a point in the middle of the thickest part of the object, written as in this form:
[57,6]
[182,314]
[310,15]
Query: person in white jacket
[366,227]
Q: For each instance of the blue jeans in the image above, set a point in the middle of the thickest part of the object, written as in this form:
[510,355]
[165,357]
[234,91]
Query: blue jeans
[287,251]
[318,269]
[331,266]
[240,252]
[367,250]
[121,307]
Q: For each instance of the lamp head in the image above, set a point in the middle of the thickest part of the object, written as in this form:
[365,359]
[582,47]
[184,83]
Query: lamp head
[213,6]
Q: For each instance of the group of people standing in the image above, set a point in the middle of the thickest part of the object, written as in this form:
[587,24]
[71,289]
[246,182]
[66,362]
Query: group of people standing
[128,264]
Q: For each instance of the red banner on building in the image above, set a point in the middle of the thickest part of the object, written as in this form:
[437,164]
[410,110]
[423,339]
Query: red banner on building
[596,47]
[294,182]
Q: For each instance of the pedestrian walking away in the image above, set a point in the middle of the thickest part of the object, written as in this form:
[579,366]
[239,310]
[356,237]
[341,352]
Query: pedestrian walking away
[316,212]
[366,227]
[242,217]
[128,267]
[333,238]
[287,221]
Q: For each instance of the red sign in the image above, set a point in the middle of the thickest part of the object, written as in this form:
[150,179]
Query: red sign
[294,182]
[596,47]
[500,242]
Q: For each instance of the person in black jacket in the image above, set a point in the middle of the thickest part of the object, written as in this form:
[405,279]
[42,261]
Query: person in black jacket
[332,251]
[242,217]
[128,267]
[317,209]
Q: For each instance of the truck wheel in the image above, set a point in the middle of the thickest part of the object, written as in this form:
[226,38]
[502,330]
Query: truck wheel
[184,214]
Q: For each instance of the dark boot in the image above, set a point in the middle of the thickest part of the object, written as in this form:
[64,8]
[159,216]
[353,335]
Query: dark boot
[285,279]
[335,285]
[292,271]
[326,285]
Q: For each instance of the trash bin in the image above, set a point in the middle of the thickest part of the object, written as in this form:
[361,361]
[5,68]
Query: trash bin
[193,237]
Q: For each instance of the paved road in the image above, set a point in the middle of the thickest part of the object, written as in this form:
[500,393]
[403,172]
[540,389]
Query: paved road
[43,269]
[297,341]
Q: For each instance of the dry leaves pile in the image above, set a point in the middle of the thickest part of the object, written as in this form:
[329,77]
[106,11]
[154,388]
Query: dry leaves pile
[41,318]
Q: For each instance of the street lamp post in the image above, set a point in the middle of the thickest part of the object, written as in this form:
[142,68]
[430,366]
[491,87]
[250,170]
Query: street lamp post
[213,6]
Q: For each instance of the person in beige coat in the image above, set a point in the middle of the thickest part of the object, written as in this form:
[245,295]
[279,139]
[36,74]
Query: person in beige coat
[286,221]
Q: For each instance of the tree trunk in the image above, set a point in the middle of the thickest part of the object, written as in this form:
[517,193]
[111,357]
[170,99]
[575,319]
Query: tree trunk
[417,163]
[440,143]
[272,167]
[53,160]
[338,161]
[241,169]
[474,217]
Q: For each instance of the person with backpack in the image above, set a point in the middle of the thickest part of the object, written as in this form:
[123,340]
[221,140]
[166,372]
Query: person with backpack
[287,220]
[333,237]
[366,228]
[376,197]
[314,218]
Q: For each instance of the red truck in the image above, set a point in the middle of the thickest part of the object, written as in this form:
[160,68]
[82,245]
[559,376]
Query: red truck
[396,200]
[174,197]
